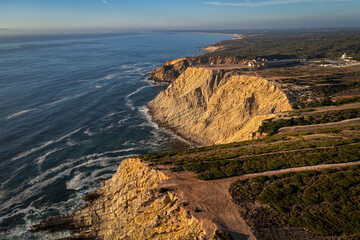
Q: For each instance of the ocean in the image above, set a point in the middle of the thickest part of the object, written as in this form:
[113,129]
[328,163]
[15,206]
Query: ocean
[72,107]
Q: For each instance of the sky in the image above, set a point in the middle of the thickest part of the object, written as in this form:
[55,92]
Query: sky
[125,15]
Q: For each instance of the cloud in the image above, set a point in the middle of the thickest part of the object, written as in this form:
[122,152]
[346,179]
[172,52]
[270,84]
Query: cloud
[107,4]
[268,3]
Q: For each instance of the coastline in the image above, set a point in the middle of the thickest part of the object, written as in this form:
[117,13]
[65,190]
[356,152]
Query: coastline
[235,35]
[212,48]
[149,117]
[193,143]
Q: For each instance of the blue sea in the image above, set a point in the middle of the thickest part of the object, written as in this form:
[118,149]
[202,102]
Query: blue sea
[72,107]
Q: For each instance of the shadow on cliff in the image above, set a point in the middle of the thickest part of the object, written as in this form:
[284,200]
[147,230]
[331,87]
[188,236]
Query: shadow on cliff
[238,236]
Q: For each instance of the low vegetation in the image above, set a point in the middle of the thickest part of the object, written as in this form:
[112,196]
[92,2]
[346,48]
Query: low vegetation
[326,202]
[277,152]
[280,44]
[272,126]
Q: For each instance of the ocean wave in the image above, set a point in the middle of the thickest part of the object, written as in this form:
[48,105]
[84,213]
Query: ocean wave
[89,133]
[109,127]
[20,113]
[82,181]
[51,104]
[77,182]
[155,84]
[96,155]
[144,111]
[70,143]
[40,160]
[128,101]
[124,120]
[47,105]
[34,186]
[110,76]
[44,145]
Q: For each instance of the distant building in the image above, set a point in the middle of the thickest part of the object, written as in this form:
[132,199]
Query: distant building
[344,57]
[275,63]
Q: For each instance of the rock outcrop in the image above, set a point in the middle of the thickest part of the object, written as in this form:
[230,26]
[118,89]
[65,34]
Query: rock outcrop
[142,201]
[215,106]
[171,70]
[128,206]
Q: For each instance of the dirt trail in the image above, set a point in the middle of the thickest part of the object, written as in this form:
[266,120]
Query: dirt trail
[287,151]
[345,123]
[211,202]
[332,108]
[284,115]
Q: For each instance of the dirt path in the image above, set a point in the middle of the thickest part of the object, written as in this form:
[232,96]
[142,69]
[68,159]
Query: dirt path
[211,203]
[284,115]
[295,169]
[288,151]
[345,123]
[332,108]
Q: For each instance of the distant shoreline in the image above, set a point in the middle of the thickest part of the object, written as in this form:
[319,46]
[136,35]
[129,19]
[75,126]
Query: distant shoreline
[236,35]
[211,48]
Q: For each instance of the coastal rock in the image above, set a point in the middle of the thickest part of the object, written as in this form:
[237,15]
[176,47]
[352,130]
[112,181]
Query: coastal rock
[171,70]
[209,106]
[128,206]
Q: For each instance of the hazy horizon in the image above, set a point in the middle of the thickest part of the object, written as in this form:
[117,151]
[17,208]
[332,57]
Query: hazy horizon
[66,16]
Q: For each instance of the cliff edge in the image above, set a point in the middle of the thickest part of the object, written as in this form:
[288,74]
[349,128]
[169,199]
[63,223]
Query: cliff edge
[172,69]
[209,106]
[145,202]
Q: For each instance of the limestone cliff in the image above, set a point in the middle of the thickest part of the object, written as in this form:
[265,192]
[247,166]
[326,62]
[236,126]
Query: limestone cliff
[128,206]
[214,106]
[171,70]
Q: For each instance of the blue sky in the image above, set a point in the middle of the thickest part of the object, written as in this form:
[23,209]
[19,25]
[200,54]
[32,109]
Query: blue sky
[89,15]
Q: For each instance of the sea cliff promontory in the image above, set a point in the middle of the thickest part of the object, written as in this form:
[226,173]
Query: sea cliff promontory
[208,106]
[142,201]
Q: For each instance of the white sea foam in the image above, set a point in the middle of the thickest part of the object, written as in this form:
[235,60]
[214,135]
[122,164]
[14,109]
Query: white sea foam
[40,160]
[77,182]
[70,143]
[47,105]
[110,114]
[20,113]
[83,180]
[51,104]
[110,76]
[128,101]
[88,132]
[26,153]
[124,120]
[145,113]
[109,127]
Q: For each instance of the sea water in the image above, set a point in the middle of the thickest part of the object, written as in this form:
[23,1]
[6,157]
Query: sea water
[72,107]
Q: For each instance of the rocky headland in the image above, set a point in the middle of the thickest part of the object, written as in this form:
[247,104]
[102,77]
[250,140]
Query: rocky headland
[130,205]
[209,106]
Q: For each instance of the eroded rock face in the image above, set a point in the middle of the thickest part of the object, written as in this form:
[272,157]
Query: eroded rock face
[214,106]
[128,207]
[171,70]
